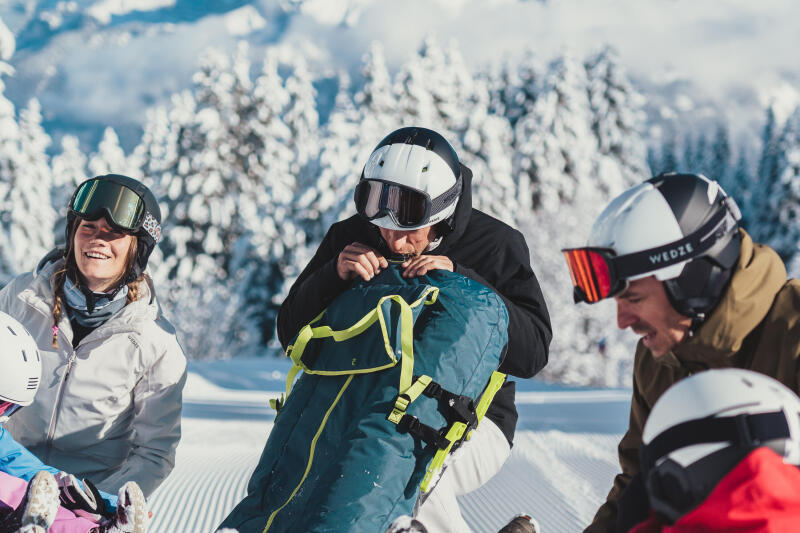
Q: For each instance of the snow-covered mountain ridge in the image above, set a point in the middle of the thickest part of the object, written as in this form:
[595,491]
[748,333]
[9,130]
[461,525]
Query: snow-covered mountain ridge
[97,63]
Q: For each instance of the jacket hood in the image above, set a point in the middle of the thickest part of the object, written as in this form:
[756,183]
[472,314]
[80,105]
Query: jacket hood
[758,277]
[462,214]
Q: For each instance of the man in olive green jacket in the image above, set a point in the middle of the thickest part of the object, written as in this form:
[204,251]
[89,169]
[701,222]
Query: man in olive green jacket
[697,289]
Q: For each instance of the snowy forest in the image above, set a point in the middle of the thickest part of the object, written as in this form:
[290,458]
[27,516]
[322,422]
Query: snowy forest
[251,169]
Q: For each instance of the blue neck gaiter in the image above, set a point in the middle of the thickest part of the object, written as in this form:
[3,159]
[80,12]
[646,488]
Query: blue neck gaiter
[91,316]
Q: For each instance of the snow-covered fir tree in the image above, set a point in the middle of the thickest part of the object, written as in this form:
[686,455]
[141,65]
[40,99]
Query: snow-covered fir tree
[558,150]
[760,211]
[783,230]
[26,213]
[617,121]
[719,157]
[9,136]
[340,163]
[513,87]
[740,184]
[359,121]
[68,171]
[277,243]
[110,158]
[189,151]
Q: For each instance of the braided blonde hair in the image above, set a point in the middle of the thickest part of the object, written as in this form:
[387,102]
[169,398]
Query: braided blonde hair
[71,269]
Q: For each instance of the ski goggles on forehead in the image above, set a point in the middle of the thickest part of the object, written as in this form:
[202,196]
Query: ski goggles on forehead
[124,207]
[406,206]
[599,273]
[9,408]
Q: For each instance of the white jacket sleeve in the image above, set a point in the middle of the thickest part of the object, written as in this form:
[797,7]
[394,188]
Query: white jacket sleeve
[156,424]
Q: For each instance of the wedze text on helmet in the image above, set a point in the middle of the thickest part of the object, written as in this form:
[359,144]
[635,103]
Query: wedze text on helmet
[674,253]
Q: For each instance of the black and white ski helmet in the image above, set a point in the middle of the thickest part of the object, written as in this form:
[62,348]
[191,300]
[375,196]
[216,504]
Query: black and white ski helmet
[702,426]
[414,159]
[674,208]
[147,230]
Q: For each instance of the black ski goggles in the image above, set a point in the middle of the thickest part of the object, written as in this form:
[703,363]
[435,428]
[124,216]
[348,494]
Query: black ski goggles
[599,273]
[124,207]
[406,206]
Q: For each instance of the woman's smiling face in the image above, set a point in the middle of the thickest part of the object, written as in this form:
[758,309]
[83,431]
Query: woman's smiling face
[101,253]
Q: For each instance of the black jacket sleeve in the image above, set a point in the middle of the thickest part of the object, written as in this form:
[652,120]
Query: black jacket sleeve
[510,275]
[315,288]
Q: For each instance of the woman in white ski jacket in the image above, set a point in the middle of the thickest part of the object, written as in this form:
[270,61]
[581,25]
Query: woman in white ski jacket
[109,404]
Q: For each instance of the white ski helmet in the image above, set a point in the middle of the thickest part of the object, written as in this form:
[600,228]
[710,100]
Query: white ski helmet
[703,425]
[21,364]
[412,180]
[680,228]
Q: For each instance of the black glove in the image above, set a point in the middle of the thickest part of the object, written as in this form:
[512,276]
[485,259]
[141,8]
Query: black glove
[81,497]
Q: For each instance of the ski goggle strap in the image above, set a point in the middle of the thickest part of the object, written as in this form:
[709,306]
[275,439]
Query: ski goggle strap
[599,273]
[124,206]
[9,408]
[408,207]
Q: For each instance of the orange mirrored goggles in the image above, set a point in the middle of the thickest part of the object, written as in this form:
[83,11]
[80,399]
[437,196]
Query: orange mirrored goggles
[593,273]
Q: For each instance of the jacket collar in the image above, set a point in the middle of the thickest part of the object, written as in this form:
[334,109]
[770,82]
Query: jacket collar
[758,277]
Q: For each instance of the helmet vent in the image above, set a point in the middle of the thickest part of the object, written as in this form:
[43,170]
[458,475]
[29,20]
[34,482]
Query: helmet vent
[37,356]
[380,163]
[425,168]
[33,383]
[24,357]
[12,331]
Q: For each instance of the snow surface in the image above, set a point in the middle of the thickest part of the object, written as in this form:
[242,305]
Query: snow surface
[561,467]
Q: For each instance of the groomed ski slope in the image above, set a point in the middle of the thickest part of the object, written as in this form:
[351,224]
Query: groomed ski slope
[560,470]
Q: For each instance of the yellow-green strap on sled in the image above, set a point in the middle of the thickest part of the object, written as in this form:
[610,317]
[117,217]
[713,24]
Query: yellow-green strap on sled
[308,332]
[405,399]
[457,431]
[496,381]
[453,435]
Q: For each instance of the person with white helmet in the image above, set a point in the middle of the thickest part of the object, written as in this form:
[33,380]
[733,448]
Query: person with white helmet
[720,452]
[414,207]
[109,407]
[38,497]
[697,290]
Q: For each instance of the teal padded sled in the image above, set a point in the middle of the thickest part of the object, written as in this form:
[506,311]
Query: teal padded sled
[364,428]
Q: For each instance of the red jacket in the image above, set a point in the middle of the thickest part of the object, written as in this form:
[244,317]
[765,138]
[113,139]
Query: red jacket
[760,495]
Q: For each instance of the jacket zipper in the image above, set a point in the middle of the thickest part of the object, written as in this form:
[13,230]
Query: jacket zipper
[54,417]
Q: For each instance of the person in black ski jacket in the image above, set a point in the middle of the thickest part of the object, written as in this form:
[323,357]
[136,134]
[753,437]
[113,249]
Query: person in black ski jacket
[414,202]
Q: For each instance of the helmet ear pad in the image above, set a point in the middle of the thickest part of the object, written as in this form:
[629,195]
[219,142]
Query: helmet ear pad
[699,287]
[673,490]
